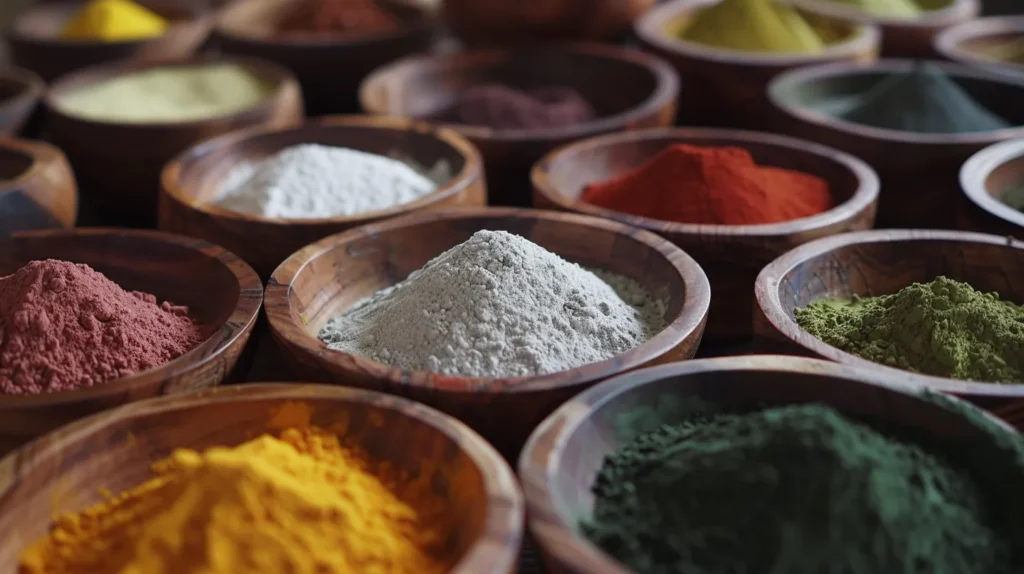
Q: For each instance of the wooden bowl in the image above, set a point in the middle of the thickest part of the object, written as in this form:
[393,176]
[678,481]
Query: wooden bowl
[628,88]
[192,180]
[918,171]
[218,287]
[966,43]
[329,276]
[983,179]
[118,165]
[20,91]
[729,85]
[329,68]
[731,255]
[37,188]
[35,45]
[64,471]
[871,263]
[563,456]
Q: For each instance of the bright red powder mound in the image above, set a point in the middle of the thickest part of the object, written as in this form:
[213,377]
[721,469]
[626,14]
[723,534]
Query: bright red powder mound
[64,326]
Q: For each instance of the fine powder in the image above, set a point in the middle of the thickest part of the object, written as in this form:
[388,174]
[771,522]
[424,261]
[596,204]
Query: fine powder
[498,305]
[1014,196]
[890,8]
[506,108]
[312,180]
[754,26]
[64,326]
[340,16]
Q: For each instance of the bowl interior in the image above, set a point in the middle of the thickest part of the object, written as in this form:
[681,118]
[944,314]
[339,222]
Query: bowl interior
[262,20]
[46,21]
[1006,175]
[13,163]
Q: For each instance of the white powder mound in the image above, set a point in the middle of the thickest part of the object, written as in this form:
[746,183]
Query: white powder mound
[311,180]
[498,305]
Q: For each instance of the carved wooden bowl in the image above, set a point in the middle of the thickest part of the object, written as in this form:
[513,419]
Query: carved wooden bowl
[63,471]
[329,276]
[629,89]
[20,91]
[731,255]
[918,171]
[565,453]
[220,290]
[37,188]
[118,164]
[983,179]
[194,178]
[966,42]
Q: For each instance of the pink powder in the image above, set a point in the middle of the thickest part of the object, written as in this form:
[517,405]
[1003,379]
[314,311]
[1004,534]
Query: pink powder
[64,326]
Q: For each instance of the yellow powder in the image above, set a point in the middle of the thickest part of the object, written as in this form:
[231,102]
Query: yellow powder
[114,20]
[754,26]
[894,8]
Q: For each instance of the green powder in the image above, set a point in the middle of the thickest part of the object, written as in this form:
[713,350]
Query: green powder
[891,8]
[1011,51]
[943,328]
[1014,196]
[753,26]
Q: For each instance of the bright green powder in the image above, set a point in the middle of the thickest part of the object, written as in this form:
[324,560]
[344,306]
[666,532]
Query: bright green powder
[753,26]
[944,328]
[891,8]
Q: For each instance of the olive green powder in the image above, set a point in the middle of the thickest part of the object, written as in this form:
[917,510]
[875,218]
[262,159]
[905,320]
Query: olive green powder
[944,328]
[1014,196]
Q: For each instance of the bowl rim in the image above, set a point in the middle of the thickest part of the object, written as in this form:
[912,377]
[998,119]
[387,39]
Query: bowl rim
[32,87]
[284,324]
[41,154]
[768,283]
[666,90]
[246,310]
[538,461]
[472,169]
[975,171]
[956,11]
[494,550]
[948,42]
[818,119]
[863,197]
[17,34]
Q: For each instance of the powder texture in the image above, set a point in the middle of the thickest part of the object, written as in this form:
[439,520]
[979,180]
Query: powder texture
[691,184]
[890,8]
[332,16]
[506,108]
[753,26]
[498,305]
[1014,196]
[63,326]
[312,180]
[114,21]
[943,328]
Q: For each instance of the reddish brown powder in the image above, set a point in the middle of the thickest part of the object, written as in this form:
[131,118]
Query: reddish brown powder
[326,16]
[64,326]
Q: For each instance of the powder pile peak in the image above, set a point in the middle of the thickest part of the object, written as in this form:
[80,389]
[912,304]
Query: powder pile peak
[891,8]
[114,20]
[754,26]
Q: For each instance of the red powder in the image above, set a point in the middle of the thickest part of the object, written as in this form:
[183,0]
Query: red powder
[64,326]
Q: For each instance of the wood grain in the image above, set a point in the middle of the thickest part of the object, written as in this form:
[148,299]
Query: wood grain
[20,91]
[37,188]
[967,42]
[983,180]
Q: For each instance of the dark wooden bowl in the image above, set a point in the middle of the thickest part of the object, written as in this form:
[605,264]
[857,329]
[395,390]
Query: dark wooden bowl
[37,188]
[871,263]
[118,165]
[329,68]
[918,170]
[966,42]
[35,45]
[731,255]
[983,179]
[218,287]
[316,283]
[628,88]
[565,453]
[63,471]
[729,85]
[20,91]
[192,179]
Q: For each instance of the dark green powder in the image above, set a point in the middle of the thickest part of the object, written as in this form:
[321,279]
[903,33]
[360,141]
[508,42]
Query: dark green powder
[1014,196]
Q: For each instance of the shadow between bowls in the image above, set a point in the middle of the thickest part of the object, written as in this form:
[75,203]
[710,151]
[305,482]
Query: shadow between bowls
[20,91]
[965,43]
[983,179]
[565,453]
[37,188]
[63,471]
[191,181]
[220,289]
[629,89]
[731,255]
[328,277]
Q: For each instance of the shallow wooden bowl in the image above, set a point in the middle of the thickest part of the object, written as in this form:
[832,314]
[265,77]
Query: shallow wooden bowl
[728,86]
[731,255]
[37,188]
[64,471]
[967,42]
[20,91]
[629,89]
[983,179]
[192,180]
[218,287]
[329,276]
[918,171]
[118,165]
[35,45]
[563,456]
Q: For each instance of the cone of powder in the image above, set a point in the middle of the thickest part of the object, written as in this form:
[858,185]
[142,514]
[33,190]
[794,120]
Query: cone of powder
[114,20]
[754,26]
[893,8]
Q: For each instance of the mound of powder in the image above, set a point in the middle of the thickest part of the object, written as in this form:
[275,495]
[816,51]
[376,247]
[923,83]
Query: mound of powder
[64,326]
[498,305]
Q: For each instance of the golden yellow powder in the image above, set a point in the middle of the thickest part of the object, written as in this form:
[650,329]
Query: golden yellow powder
[753,26]
[114,20]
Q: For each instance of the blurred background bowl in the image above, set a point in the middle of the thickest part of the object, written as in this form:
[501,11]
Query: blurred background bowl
[20,91]
[983,179]
[37,188]
[966,43]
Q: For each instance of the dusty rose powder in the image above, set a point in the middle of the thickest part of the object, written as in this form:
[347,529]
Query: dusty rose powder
[64,326]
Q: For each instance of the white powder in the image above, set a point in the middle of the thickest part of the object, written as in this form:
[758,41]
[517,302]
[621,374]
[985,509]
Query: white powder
[311,180]
[498,305]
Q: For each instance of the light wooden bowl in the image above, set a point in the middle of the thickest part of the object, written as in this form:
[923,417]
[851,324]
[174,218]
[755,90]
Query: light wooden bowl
[218,287]
[871,263]
[35,44]
[37,188]
[918,171]
[20,91]
[729,85]
[983,179]
[629,89]
[966,42]
[192,180]
[319,282]
[64,471]
[565,453]
[731,255]
[118,165]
